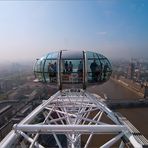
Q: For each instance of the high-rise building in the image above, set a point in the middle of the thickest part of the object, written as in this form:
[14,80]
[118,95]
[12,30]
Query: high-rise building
[131,70]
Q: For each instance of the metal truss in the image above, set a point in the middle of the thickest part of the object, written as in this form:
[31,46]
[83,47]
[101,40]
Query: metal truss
[71,118]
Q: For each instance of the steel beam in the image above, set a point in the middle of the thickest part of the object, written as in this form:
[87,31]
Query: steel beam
[71,128]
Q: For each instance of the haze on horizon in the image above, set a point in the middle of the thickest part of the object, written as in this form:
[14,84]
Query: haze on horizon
[31,29]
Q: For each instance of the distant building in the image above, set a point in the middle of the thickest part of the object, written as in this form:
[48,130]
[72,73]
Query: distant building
[131,70]
[5,85]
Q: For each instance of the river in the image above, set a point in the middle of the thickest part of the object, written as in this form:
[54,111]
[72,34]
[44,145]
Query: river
[113,90]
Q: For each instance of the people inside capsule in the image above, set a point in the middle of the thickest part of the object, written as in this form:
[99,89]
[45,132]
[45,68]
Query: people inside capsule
[95,69]
[51,72]
[55,69]
[80,71]
[100,74]
[70,67]
[105,69]
[66,67]
[52,68]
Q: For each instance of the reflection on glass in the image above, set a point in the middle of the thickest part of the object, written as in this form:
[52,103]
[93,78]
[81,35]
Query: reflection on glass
[46,68]
[73,68]
[52,71]
[99,68]
[72,71]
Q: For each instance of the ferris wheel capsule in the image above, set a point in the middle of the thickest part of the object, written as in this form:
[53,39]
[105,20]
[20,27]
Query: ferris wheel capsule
[73,68]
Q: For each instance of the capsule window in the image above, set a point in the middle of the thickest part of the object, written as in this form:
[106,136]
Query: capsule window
[72,71]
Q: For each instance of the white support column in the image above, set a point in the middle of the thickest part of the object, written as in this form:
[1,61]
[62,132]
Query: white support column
[57,140]
[30,139]
[122,144]
[90,136]
[73,114]
[103,107]
[34,140]
[112,141]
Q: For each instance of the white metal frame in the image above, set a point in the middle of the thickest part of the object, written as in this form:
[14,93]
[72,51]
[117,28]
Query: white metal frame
[72,113]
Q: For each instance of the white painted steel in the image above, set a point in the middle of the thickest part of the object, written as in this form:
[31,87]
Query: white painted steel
[133,141]
[68,113]
[34,140]
[29,139]
[90,136]
[71,128]
[12,136]
[8,140]
[112,141]
[122,144]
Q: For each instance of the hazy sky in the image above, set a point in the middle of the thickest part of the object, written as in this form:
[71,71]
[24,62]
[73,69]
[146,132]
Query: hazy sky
[116,28]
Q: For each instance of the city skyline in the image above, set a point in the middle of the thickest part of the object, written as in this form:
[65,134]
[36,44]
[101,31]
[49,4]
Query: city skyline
[30,29]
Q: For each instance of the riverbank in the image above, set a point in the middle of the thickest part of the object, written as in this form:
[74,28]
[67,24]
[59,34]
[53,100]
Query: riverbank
[113,90]
[116,90]
[132,86]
